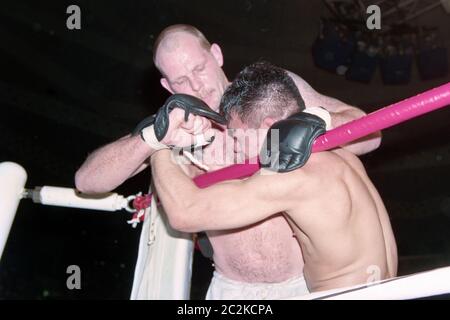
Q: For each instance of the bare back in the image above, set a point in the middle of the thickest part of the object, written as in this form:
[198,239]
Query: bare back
[342,226]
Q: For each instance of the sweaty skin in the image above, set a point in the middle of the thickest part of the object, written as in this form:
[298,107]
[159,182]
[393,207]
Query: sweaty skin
[241,254]
[337,215]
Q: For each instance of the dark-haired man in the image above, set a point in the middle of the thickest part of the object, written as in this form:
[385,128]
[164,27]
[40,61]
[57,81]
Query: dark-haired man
[335,212]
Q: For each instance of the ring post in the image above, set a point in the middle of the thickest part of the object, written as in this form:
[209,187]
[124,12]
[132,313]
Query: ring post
[12,182]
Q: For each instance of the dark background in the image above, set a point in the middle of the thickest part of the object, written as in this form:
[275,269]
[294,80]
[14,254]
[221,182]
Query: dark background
[64,93]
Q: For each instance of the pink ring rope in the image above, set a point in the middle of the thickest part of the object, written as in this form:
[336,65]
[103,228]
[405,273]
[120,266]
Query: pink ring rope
[378,120]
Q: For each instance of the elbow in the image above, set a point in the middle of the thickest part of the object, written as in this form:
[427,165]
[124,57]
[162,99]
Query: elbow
[185,219]
[85,185]
[80,183]
[181,224]
[364,145]
[372,143]
[377,140]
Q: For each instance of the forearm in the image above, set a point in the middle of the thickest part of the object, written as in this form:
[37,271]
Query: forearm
[223,206]
[109,166]
[175,189]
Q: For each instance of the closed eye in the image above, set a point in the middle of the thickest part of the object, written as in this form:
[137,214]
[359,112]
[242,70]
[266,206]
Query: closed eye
[180,82]
[200,68]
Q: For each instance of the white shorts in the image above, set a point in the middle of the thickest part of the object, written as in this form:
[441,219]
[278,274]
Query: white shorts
[222,288]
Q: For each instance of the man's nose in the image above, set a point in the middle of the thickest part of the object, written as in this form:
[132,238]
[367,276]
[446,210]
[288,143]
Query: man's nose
[195,83]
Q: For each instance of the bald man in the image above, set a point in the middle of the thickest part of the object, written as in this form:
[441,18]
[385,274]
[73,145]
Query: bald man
[265,252]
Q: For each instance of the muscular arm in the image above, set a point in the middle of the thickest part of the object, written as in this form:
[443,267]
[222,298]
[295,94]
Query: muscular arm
[227,205]
[109,166]
[340,113]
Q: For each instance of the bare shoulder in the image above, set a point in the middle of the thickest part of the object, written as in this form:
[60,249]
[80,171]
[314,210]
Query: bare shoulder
[325,163]
[350,158]
[302,85]
[308,93]
[316,172]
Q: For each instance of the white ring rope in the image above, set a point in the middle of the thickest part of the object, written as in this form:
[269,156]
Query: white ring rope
[424,284]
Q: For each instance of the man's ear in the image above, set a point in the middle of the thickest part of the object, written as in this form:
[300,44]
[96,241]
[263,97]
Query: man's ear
[217,53]
[166,85]
[267,122]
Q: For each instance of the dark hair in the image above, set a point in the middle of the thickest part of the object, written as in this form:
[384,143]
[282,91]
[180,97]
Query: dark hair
[261,90]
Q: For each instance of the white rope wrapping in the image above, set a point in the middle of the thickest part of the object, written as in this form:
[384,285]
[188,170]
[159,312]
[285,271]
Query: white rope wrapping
[424,284]
[196,162]
[149,136]
[137,219]
[321,113]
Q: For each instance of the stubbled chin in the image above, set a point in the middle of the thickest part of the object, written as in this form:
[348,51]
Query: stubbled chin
[212,101]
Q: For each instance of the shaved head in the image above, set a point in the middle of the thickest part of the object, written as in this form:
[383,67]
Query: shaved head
[169,39]
[189,64]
